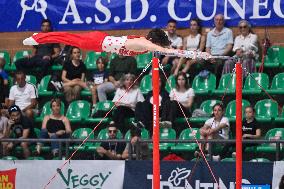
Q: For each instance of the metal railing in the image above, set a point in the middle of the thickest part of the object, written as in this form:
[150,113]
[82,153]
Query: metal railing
[75,142]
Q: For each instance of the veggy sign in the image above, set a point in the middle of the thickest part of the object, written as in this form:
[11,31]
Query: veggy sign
[84,181]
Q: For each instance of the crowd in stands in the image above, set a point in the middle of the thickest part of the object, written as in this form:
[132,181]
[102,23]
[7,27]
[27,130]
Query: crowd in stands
[114,80]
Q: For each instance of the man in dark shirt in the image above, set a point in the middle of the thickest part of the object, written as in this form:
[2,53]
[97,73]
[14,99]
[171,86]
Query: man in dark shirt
[111,150]
[19,126]
[119,66]
[42,54]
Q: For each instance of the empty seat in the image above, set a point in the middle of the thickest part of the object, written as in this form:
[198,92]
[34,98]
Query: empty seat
[266,110]
[143,60]
[146,84]
[277,86]
[204,86]
[227,84]
[231,109]
[253,81]
[272,134]
[78,111]
[187,134]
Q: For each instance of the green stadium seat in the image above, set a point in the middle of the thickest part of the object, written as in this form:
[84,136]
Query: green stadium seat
[35,158]
[280,119]
[101,106]
[252,83]
[146,84]
[266,110]
[78,111]
[9,158]
[82,133]
[228,160]
[46,110]
[272,134]
[206,106]
[31,79]
[260,160]
[203,86]
[143,60]
[277,86]
[43,87]
[272,59]
[187,134]
[172,81]
[103,135]
[18,55]
[144,134]
[231,109]
[227,84]
[6,56]
[91,58]
[166,133]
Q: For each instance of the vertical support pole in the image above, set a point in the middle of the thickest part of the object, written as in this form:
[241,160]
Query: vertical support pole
[156,127]
[239,84]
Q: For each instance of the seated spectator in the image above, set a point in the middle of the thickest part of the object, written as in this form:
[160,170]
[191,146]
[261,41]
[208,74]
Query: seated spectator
[119,66]
[3,129]
[136,149]
[42,56]
[98,77]
[24,95]
[125,106]
[246,48]
[219,42]
[182,94]
[73,76]
[251,130]
[144,110]
[195,41]
[111,150]
[4,84]
[19,126]
[216,127]
[176,43]
[54,126]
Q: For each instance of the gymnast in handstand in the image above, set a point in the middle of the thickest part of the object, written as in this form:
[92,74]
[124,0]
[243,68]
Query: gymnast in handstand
[156,40]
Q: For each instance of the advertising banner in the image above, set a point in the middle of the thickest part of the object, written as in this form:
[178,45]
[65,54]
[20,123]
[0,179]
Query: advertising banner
[181,175]
[278,173]
[25,15]
[35,174]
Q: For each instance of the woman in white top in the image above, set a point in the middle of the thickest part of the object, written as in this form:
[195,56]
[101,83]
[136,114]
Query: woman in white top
[125,106]
[216,127]
[246,48]
[195,41]
[183,94]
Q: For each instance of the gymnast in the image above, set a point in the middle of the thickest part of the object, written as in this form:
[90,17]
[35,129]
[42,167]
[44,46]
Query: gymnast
[155,40]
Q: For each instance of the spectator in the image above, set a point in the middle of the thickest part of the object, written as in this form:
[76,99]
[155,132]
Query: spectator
[24,95]
[246,48]
[176,43]
[4,84]
[195,41]
[125,106]
[219,42]
[111,150]
[54,126]
[182,94]
[119,66]
[73,76]
[136,149]
[144,110]
[3,129]
[251,130]
[42,55]
[216,127]
[21,127]
[100,76]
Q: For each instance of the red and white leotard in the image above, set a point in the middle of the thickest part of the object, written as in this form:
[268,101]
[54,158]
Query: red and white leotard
[96,41]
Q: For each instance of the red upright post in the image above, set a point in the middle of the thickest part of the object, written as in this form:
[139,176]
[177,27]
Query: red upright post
[156,127]
[239,85]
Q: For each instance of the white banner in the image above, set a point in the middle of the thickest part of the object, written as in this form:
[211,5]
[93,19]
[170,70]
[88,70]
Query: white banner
[35,174]
[278,172]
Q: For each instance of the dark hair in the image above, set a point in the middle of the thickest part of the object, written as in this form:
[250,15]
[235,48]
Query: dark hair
[198,23]
[250,108]
[217,104]
[186,80]
[135,132]
[172,21]
[46,20]
[14,108]
[104,60]
[20,72]
[71,51]
[57,100]
[158,37]
[2,60]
